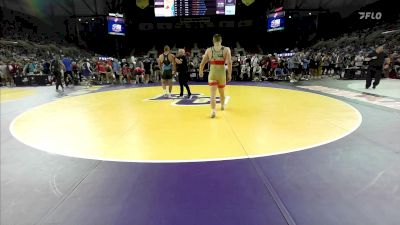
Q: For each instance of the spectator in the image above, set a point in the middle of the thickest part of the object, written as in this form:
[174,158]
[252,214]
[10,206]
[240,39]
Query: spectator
[68,78]
[116,67]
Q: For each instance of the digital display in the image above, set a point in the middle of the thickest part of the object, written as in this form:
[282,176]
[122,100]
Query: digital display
[276,21]
[116,25]
[182,8]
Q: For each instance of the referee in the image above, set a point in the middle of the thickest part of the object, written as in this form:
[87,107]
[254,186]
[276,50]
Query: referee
[182,69]
[375,68]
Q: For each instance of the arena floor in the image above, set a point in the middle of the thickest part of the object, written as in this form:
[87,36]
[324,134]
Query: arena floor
[317,152]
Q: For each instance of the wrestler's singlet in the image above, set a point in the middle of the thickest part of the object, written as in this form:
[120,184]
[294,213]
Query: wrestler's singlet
[217,74]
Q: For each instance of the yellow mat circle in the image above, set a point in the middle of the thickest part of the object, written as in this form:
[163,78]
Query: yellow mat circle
[122,125]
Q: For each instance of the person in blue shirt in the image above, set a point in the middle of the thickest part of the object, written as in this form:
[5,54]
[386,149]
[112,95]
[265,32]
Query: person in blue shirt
[116,69]
[306,63]
[46,67]
[68,70]
[32,67]
[297,67]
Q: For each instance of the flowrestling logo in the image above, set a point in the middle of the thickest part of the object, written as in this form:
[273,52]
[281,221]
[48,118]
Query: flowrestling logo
[370,15]
[194,100]
[117,28]
[276,23]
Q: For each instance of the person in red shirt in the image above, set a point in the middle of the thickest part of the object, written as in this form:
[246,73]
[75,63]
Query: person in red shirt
[101,69]
[126,73]
[109,72]
[139,74]
[274,65]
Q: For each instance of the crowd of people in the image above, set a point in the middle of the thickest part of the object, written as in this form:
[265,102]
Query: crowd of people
[335,57]
[292,66]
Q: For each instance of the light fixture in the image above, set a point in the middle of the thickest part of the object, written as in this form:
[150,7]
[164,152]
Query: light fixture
[290,17]
[79,19]
[309,14]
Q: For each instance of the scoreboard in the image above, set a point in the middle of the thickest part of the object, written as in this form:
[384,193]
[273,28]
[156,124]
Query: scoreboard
[182,8]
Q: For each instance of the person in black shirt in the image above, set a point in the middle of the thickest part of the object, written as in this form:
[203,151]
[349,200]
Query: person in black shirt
[56,67]
[147,71]
[236,68]
[375,68]
[182,69]
[167,64]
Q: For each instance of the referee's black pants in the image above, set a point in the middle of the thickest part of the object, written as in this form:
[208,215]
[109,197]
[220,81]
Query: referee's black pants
[373,72]
[183,82]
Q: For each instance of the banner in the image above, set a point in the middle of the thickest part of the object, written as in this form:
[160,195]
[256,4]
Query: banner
[247,2]
[142,3]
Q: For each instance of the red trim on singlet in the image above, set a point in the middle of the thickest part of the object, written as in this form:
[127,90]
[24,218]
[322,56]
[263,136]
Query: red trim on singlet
[213,83]
[218,62]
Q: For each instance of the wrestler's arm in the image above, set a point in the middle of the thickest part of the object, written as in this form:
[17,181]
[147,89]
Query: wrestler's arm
[228,60]
[172,60]
[205,60]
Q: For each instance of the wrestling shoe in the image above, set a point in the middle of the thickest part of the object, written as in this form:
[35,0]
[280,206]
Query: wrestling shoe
[213,114]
